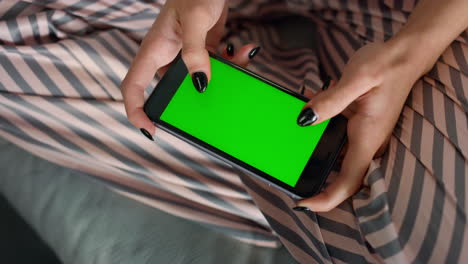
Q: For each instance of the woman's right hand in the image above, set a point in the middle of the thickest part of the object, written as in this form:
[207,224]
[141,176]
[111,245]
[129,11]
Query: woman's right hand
[194,26]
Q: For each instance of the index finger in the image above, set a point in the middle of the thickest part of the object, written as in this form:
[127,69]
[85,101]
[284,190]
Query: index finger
[159,47]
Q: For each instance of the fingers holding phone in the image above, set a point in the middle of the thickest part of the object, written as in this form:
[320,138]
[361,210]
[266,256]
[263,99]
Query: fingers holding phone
[241,57]
[193,26]
[228,122]
[373,88]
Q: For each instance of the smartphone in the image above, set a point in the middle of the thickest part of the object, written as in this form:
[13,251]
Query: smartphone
[249,122]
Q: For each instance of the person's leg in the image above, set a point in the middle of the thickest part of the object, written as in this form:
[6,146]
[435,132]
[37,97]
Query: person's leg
[412,206]
[60,70]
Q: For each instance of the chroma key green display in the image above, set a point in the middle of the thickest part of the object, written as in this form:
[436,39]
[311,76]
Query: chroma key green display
[239,115]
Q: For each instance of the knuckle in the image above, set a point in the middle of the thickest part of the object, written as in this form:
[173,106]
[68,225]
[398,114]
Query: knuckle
[124,86]
[189,52]
[199,14]
[129,86]
[194,57]
[132,117]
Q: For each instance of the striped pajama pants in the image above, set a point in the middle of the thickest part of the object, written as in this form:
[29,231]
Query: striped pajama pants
[61,64]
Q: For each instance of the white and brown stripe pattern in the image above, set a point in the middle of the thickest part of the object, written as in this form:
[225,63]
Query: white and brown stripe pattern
[61,64]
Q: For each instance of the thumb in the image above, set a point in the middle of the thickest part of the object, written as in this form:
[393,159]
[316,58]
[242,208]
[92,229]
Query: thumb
[328,103]
[194,53]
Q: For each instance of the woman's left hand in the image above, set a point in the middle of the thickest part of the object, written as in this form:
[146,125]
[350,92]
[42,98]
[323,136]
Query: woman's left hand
[371,92]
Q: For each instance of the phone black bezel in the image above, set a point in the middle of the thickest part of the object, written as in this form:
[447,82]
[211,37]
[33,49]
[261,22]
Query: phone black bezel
[320,163]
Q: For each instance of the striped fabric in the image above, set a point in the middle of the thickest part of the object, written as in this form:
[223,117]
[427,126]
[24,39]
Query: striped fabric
[61,64]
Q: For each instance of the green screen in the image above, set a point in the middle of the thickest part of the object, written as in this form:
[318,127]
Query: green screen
[247,119]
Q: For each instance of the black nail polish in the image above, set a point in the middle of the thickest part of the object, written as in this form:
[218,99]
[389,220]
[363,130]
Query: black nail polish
[301,208]
[200,81]
[146,133]
[254,52]
[326,83]
[230,49]
[307,117]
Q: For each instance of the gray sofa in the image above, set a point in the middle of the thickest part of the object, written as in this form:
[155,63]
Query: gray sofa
[85,222]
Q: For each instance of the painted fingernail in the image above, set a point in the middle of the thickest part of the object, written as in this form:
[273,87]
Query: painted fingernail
[147,134]
[326,83]
[307,117]
[301,208]
[230,49]
[254,52]
[200,81]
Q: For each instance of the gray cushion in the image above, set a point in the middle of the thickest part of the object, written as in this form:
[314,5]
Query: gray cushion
[84,222]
